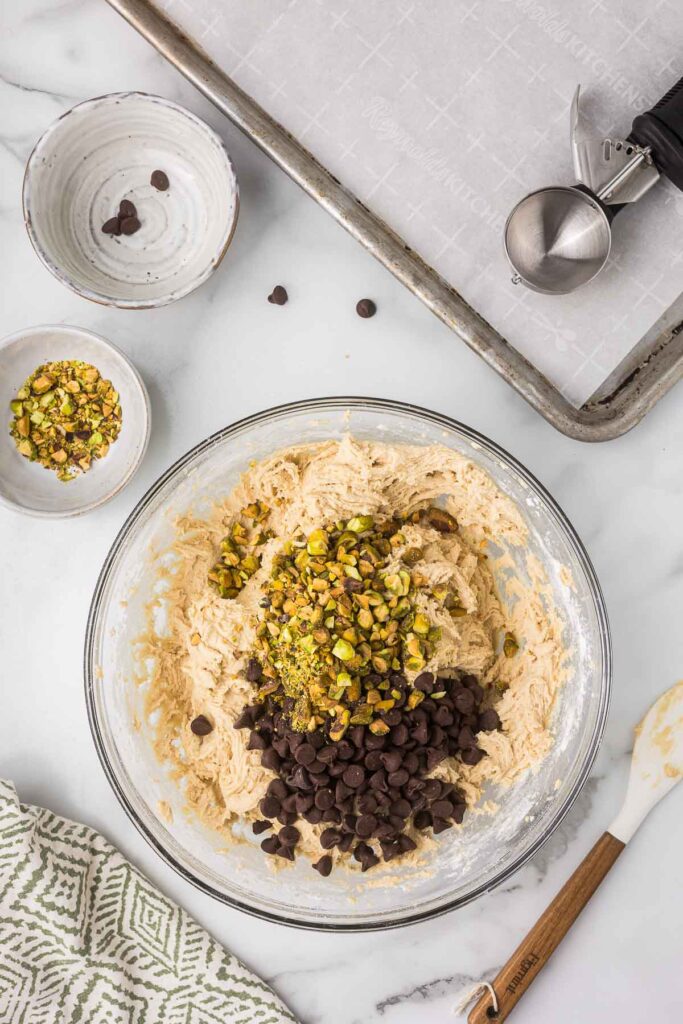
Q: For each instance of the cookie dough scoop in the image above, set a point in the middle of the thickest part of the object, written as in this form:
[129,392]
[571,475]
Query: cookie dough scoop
[656,767]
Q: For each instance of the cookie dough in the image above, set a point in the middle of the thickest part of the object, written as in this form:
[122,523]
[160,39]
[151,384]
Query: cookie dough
[195,664]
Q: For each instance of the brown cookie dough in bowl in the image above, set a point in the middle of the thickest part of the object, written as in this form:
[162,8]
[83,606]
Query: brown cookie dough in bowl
[165,649]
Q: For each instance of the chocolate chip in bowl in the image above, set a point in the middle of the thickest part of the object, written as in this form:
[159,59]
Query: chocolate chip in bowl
[106,221]
[408,831]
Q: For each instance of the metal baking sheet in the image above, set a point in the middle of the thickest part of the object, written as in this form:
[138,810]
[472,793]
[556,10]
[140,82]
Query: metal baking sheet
[592,347]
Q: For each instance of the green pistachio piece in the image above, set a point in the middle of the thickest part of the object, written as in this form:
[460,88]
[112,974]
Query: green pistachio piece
[359,524]
[343,650]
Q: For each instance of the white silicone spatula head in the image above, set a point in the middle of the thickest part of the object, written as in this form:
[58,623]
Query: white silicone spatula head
[656,767]
[657,763]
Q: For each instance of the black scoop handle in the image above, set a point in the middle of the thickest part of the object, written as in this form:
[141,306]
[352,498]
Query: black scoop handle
[661,128]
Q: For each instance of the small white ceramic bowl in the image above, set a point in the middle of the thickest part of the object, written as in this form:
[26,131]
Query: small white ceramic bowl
[29,487]
[105,150]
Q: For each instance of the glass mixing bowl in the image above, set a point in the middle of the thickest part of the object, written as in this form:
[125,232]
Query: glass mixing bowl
[469,860]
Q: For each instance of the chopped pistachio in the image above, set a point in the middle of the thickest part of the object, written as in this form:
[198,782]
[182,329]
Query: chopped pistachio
[510,645]
[70,414]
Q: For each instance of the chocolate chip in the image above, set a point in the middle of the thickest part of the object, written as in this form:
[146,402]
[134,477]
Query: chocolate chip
[373,760]
[129,225]
[316,768]
[127,209]
[489,720]
[354,776]
[439,825]
[366,308]
[345,750]
[406,844]
[301,779]
[459,813]
[472,755]
[378,780]
[399,735]
[329,837]
[398,778]
[392,717]
[367,803]
[443,717]
[245,720]
[432,789]
[466,737]
[434,758]
[305,754]
[112,226]
[260,826]
[269,807]
[270,845]
[257,741]
[401,808]
[159,179]
[290,836]
[327,754]
[464,701]
[422,820]
[442,808]
[278,789]
[373,742]
[285,852]
[391,759]
[253,672]
[287,817]
[314,816]
[278,296]
[289,802]
[346,842]
[385,831]
[366,825]
[323,866]
[303,802]
[324,799]
[270,759]
[201,726]
[357,736]
[421,733]
[475,689]
[424,682]
[389,848]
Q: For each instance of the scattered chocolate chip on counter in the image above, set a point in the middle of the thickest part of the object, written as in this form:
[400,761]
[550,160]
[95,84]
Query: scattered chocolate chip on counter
[278,296]
[366,308]
[159,179]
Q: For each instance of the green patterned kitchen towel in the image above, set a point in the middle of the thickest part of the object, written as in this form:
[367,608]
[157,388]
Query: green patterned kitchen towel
[86,939]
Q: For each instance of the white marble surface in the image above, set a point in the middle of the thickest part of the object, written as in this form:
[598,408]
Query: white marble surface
[224,352]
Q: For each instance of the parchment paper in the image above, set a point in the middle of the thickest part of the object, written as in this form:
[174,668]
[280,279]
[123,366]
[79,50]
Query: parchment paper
[440,115]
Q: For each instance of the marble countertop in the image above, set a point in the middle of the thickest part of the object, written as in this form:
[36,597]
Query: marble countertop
[224,353]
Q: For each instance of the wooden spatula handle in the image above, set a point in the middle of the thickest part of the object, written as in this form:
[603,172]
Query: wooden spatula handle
[536,949]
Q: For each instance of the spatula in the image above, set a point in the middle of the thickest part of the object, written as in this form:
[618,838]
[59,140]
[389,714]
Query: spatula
[656,767]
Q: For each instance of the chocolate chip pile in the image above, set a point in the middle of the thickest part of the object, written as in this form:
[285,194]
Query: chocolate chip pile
[125,222]
[365,786]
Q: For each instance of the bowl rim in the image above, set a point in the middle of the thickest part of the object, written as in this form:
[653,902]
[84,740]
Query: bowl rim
[101,298]
[69,329]
[378,405]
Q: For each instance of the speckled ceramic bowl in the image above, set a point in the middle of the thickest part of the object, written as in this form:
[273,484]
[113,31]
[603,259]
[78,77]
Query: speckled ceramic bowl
[105,150]
[28,487]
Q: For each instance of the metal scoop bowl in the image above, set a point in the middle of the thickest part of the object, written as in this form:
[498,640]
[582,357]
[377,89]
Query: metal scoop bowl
[557,239]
